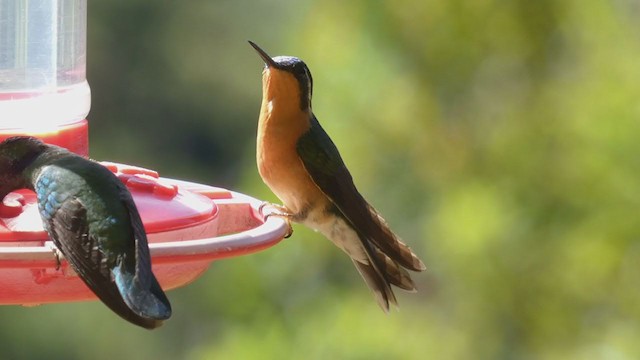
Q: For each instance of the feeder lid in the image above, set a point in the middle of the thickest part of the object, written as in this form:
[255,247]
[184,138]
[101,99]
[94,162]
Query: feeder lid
[162,205]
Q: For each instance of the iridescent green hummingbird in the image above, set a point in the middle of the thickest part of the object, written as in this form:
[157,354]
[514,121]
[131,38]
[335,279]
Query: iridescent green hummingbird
[302,166]
[92,219]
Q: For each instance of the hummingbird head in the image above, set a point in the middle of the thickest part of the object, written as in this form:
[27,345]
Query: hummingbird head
[16,154]
[287,74]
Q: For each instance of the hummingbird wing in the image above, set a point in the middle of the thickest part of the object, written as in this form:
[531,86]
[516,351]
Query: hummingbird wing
[386,253]
[69,229]
[322,160]
[117,270]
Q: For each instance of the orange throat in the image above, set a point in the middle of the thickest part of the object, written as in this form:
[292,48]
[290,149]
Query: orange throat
[280,125]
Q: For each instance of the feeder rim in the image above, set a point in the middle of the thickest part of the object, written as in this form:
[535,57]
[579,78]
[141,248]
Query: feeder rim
[263,236]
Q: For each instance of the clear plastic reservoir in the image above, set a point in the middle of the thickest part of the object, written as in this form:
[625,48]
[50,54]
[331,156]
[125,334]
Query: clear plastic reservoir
[43,85]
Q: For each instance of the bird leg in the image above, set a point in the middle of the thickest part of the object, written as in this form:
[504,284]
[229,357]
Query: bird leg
[67,270]
[279,211]
[58,255]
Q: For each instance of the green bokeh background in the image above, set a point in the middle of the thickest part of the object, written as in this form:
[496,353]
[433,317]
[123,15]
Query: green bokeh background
[500,139]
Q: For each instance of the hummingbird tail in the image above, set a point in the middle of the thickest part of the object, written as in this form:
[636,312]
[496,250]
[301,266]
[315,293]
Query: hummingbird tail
[380,272]
[143,295]
[388,259]
[393,272]
[378,284]
[379,233]
[135,280]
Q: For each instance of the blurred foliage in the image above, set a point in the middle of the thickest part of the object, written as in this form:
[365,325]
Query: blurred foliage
[499,138]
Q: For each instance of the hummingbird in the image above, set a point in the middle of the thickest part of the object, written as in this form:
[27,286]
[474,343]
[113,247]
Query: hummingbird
[92,219]
[300,163]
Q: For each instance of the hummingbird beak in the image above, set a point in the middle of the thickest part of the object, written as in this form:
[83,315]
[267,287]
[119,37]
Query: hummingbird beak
[267,59]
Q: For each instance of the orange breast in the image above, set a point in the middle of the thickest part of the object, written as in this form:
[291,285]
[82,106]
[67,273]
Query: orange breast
[281,124]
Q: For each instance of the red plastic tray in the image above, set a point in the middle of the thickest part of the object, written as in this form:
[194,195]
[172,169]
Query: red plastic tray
[188,226]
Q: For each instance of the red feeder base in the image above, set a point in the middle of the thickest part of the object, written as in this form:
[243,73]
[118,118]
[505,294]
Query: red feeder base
[188,226]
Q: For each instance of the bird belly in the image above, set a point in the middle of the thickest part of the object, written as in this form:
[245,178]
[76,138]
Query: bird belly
[309,205]
[339,231]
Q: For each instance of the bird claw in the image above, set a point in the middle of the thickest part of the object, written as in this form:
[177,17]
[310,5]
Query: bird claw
[261,208]
[67,271]
[59,257]
[289,231]
[279,211]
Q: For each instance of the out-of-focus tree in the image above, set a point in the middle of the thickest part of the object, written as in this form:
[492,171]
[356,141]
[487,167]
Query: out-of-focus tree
[499,139]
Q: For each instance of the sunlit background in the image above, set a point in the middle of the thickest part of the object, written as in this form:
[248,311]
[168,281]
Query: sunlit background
[500,139]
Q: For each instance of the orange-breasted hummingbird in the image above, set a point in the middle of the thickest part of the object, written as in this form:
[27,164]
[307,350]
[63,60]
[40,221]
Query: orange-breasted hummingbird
[302,166]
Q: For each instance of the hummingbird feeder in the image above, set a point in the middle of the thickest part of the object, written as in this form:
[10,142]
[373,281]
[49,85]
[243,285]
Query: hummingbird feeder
[44,93]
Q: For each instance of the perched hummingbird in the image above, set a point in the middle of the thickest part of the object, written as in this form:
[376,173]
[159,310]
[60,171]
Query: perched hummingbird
[302,166]
[92,219]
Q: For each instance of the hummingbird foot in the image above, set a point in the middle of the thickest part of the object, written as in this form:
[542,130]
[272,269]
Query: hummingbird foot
[67,271]
[289,231]
[279,211]
[59,257]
